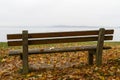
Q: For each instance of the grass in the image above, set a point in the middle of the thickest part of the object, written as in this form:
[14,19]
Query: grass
[3,45]
[113,43]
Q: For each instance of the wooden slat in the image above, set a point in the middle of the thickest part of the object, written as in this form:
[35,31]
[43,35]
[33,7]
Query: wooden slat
[58,34]
[56,50]
[63,40]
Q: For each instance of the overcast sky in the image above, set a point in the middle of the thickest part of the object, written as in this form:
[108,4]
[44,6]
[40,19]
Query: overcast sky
[59,12]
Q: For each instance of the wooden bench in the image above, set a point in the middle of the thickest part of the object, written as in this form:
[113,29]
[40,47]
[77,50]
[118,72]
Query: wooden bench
[26,39]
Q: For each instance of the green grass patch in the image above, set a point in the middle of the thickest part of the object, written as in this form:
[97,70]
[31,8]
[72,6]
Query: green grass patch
[3,45]
[113,43]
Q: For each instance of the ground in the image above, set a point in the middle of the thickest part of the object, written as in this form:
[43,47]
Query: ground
[61,66]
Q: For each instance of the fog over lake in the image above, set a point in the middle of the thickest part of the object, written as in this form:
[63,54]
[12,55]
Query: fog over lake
[44,15]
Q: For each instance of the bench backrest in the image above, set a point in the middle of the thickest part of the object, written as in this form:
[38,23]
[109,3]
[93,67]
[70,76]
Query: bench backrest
[57,37]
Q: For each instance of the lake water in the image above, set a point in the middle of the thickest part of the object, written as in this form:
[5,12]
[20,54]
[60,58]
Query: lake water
[11,30]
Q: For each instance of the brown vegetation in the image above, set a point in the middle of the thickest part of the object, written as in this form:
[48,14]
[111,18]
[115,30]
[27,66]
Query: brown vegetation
[61,66]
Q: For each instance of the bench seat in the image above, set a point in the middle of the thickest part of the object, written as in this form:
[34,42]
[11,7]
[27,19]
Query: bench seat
[56,50]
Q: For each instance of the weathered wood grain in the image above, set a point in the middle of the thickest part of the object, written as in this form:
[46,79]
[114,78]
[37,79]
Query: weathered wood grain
[58,34]
[25,52]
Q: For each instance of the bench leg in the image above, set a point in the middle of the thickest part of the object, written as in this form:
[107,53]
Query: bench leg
[25,52]
[99,49]
[90,57]
[25,64]
[99,59]
[21,57]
